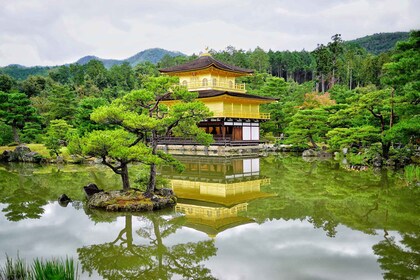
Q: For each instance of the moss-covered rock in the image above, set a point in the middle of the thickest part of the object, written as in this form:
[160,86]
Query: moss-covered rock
[131,200]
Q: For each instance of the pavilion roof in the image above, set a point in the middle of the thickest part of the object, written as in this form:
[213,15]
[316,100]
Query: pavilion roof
[204,62]
[214,93]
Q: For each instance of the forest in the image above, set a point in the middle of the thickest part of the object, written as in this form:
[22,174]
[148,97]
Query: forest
[338,96]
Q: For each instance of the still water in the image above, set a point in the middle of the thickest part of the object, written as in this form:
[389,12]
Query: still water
[277,217]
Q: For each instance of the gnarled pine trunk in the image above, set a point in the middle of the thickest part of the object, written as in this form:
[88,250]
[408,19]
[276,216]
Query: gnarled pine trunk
[124,177]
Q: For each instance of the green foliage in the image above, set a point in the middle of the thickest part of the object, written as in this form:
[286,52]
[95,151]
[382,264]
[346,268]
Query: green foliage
[6,82]
[115,144]
[141,120]
[412,174]
[143,177]
[35,85]
[6,135]
[32,132]
[371,91]
[16,110]
[352,137]
[57,136]
[55,269]
[380,42]
[15,270]
[61,102]
[259,60]
[402,74]
[406,131]
[84,109]
[308,124]
[341,93]
[20,72]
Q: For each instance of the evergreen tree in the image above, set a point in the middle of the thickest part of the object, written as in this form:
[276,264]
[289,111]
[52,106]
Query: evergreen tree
[6,83]
[16,110]
[141,120]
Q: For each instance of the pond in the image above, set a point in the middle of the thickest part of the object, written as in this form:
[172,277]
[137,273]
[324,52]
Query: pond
[277,217]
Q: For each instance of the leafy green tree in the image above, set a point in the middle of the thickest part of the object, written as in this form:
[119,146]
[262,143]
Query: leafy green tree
[277,88]
[323,61]
[61,102]
[6,82]
[77,74]
[146,69]
[96,71]
[6,135]
[353,137]
[142,120]
[378,104]
[402,74]
[60,74]
[122,76]
[35,85]
[32,132]
[314,100]
[168,61]
[16,110]
[57,136]
[341,93]
[259,60]
[82,119]
[336,49]
[308,124]
[117,148]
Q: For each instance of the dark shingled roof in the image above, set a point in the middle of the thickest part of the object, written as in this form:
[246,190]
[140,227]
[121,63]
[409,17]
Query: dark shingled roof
[204,62]
[213,93]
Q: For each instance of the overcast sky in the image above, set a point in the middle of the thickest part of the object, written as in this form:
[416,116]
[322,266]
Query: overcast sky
[53,32]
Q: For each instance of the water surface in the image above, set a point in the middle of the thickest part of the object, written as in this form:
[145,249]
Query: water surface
[277,217]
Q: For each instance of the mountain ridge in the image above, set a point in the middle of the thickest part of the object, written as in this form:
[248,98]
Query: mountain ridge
[376,43]
[153,55]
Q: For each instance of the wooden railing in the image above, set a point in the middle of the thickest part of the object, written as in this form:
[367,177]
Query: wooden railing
[217,85]
[242,115]
[218,141]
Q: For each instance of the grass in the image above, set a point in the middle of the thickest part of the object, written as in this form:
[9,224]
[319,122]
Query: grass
[55,269]
[40,149]
[412,174]
[15,270]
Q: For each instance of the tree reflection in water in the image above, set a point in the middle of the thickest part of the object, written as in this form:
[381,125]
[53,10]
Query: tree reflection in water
[399,261]
[123,259]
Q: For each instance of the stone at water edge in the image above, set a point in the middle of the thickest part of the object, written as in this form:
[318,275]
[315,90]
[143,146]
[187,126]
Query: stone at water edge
[64,200]
[309,153]
[21,154]
[90,189]
[132,200]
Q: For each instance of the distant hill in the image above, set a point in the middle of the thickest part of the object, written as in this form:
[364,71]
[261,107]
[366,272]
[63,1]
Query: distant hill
[20,72]
[380,42]
[376,44]
[108,63]
[152,55]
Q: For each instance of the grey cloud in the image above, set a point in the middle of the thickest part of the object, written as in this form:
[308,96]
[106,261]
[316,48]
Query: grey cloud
[52,28]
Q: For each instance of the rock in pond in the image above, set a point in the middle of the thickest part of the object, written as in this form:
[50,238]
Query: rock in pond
[64,200]
[132,200]
[21,154]
[91,189]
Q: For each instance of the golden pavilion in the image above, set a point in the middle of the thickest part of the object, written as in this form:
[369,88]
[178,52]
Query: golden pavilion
[236,114]
[213,193]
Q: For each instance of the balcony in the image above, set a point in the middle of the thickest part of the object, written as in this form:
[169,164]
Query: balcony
[242,115]
[207,84]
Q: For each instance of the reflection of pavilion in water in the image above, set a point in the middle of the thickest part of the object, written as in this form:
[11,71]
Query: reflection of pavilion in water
[213,192]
